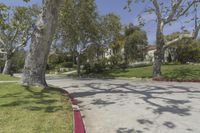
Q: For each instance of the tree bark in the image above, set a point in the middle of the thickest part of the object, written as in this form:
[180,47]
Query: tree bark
[7,66]
[157,63]
[36,60]
[159,54]
[78,66]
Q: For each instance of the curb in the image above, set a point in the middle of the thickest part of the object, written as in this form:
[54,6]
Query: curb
[78,125]
[175,80]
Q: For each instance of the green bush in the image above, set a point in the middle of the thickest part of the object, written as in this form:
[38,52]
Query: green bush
[123,66]
[1,65]
[67,64]
[97,67]
[141,64]
[116,59]
[18,61]
[189,52]
[189,55]
[87,68]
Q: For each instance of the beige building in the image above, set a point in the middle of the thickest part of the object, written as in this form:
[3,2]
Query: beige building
[150,53]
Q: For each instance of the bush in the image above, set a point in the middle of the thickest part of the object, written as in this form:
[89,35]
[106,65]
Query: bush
[1,65]
[189,55]
[97,67]
[116,59]
[87,68]
[55,59]
[189,52]
[141,64]
[18,61]
[67,64]
[123,66]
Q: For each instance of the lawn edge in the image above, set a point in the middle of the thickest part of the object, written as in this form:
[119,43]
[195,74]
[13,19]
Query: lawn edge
[174,80]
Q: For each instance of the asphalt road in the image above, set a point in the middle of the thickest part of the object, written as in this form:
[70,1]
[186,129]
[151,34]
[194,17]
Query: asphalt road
[128,106]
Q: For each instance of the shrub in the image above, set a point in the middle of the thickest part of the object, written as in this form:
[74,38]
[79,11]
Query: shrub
[141,64]
[98,67]
[87,68]
[116,59]
[123,66]
[67,64]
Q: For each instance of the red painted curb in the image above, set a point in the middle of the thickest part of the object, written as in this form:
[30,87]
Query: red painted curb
[77,118]
[78,125]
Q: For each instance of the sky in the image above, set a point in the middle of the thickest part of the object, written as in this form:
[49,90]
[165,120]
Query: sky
[117,7]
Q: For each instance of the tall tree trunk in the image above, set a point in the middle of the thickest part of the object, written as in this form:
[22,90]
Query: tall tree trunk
[36,60]
[7,66]
[78,65]
[157,63]
[159,54]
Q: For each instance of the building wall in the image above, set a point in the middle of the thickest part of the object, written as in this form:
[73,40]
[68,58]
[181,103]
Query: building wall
[150,56]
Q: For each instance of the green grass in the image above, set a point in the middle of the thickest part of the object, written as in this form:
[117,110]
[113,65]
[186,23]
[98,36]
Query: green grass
[181,72]
[33,110]
[7,78]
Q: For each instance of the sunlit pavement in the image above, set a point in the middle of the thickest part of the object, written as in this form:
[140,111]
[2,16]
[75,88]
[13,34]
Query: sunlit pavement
[128,106]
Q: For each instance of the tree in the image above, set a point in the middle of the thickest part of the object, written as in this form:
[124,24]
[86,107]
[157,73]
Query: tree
[16,28]
[109,31]
[185,50]
[135,44]
[78,25]
[36,60]
[18,61]
[166,13]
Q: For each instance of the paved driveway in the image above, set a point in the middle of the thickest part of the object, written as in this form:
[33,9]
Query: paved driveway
[121,106]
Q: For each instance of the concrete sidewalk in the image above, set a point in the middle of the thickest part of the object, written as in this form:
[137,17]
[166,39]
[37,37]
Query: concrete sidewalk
[126,106]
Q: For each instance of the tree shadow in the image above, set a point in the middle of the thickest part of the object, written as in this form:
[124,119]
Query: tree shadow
[155,97]
[102,102]
[170,105]
[145,121]
[11,95]
[125,130]
[169,124]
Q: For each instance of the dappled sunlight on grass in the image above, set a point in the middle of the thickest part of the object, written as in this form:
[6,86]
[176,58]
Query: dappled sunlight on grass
[7,78]
[33,109]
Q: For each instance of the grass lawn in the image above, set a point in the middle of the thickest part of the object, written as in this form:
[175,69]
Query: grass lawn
[33,110]
[7,78]
[186,72]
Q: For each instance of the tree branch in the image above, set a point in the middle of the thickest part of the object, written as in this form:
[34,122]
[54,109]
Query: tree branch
[175,5]
[182,12]
[2,52]
[192,35]
[27,36]
[157,10]
[22,44]
[2,42]
[174,15]
[15,35]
